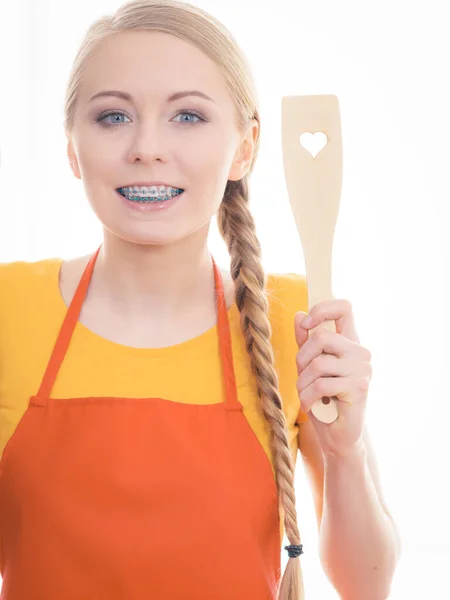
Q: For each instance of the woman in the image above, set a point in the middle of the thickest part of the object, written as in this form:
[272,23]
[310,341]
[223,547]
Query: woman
[150,442]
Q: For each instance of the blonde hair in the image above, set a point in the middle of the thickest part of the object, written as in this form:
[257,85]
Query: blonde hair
[235,222]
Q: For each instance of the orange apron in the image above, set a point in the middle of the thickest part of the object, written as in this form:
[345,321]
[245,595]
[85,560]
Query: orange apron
[105,498]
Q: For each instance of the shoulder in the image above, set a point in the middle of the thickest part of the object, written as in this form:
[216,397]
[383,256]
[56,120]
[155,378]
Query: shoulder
[288,287]
[287,294]
[21,280]
[16,272]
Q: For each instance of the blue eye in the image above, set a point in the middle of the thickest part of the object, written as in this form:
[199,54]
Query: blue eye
[102,118]
[192,114]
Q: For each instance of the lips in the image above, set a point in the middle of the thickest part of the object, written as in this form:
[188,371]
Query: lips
[150,184]
[141,188]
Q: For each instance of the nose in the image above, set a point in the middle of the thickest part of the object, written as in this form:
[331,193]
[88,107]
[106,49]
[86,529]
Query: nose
[147,145]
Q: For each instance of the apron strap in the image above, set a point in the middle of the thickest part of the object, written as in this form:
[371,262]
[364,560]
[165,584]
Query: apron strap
[73,314]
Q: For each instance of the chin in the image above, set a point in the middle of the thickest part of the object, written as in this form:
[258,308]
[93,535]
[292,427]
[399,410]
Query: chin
[144,237]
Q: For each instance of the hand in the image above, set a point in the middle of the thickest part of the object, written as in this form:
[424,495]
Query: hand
[333,364]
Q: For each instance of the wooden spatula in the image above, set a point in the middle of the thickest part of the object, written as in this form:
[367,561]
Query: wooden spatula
[314,182]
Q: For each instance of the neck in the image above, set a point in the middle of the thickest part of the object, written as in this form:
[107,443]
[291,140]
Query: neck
[164,280]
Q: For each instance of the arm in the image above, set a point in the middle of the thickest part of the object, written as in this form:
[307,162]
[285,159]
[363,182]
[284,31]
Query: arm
[359,541]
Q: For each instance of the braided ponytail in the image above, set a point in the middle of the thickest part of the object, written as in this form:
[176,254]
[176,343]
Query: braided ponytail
[237,227]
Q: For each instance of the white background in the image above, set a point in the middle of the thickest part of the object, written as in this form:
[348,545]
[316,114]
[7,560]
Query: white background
[387,62]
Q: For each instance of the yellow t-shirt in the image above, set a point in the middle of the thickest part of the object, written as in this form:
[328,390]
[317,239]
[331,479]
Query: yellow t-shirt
[31,313]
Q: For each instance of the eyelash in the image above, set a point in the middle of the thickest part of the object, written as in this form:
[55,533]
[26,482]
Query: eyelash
[103,116]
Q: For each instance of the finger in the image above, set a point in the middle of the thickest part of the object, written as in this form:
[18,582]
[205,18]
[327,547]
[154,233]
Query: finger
[323,341]
[340,311]
[326,387]
[324,365]
[301,334]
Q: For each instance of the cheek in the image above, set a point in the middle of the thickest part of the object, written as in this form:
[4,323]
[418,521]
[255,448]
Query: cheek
[98,162]
[97,153]
[195,162]
[202,173]
[207,168]
[204,153]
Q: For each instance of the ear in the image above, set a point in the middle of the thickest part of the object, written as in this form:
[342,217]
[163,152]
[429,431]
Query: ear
[244,153]
[73,159]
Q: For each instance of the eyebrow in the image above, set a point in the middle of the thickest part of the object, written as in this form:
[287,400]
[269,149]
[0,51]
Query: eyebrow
[171,98]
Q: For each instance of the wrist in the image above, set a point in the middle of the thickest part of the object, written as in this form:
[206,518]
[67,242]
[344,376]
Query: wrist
[354,455]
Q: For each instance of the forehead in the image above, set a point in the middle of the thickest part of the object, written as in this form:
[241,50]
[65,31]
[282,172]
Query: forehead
[151,65]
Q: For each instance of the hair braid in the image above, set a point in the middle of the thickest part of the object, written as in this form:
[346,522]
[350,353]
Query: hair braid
[237,227]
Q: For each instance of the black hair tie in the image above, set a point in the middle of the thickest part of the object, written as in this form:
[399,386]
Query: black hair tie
[294,551]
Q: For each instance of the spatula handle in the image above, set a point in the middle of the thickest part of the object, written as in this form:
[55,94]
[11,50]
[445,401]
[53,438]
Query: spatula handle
[326,409]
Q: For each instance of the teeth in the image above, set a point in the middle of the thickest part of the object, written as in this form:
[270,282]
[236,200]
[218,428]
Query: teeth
[153,190]
[156,193]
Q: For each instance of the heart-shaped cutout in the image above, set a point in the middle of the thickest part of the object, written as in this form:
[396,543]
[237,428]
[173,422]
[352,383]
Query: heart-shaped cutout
[313,143]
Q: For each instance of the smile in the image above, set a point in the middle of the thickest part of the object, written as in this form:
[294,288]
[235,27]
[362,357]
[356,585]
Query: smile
[154,194]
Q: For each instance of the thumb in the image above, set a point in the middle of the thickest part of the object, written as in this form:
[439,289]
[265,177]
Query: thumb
[301,334]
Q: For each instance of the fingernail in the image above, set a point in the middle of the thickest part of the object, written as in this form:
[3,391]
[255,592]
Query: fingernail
[307,321]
